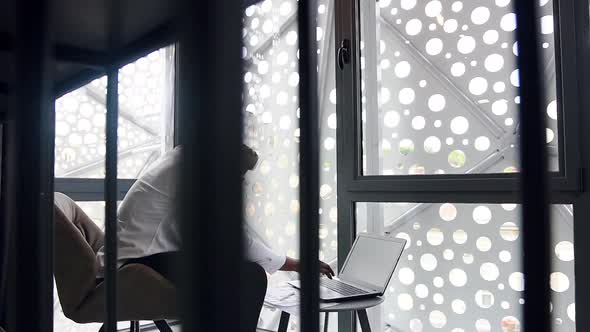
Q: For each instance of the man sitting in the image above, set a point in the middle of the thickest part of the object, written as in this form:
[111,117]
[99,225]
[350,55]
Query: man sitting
[148,232]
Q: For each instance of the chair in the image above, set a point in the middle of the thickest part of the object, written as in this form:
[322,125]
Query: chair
[143,294]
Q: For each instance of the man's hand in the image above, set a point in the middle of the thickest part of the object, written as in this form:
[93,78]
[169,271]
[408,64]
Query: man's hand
[326,270]
[292,264]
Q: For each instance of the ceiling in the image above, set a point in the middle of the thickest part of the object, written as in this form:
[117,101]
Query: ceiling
[81,35]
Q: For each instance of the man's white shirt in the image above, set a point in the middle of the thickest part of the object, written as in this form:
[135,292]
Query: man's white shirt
[147,223]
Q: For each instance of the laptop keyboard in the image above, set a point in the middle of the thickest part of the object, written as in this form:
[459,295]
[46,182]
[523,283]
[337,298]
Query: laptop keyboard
[341,288]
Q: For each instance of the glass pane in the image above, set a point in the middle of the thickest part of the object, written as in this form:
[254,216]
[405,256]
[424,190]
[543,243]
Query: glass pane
[462,267]
[271,107]
[271,82]
[145,120]
[440,86]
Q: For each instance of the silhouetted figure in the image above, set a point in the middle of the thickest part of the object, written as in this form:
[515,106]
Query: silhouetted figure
[148,233]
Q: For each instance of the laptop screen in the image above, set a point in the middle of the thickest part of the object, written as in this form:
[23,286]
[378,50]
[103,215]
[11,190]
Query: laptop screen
[372,260]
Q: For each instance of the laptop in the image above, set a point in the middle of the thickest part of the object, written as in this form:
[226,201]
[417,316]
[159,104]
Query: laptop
[366,271]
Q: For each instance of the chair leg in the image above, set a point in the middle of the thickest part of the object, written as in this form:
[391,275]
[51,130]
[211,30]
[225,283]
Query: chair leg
[162,325]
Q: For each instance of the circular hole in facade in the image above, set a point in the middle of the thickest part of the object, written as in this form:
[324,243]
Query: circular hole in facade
[436,102]
[489,271]
[435,236]
[447,212]
[458,306]
[480,15]
[564,251]
[478,86]
[437,319]
[416,324]
[458,277]
[448,254]
[459,125]
[413,27]
[466,44]
[406,276]
[434,46]
[516,281]
[406,96]
[457,158]
[483,243]
[504,256]
[559,282]
[460,236]
[484,298]
[405,302]
[482,214]
[421,291]
[510,324]
[483,325]
[432,144]
[428,262]
[457,69]
[509,231]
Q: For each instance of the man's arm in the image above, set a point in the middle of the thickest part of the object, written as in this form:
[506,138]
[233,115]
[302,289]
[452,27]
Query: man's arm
[292,264]
[258,253]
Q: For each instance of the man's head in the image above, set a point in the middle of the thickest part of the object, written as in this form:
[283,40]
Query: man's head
[249,159]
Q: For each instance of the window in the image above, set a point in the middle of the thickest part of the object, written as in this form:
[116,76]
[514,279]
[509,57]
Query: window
[271,107]
[428,136]
[462,266]
[146,131]
[145,120]
[440,87]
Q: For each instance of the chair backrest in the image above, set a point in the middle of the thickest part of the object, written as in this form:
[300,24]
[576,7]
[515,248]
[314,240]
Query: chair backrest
[143,293]
[76,240]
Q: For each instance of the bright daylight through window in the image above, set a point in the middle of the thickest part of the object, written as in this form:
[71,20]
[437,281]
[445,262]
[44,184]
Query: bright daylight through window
[271,109]
[462,267]
[145,132]
[440,87]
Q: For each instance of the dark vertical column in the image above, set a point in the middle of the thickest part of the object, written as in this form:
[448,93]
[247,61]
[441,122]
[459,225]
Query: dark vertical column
[210,196]
[309,165]
[112,27]
[533,171]
[31,168]
[348,134]
[110,197]
[582,204]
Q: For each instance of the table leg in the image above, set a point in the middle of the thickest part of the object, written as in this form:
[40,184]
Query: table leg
[284,322]
[326,319]
[364,320]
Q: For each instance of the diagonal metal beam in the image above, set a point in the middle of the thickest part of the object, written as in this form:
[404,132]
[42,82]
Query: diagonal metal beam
[123,113]
[152,145]
[463,98]
[489,161]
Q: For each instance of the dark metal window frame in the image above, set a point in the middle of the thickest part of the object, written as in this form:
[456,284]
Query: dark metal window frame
[110,189]
[566,185]
[567,179]
[92,189]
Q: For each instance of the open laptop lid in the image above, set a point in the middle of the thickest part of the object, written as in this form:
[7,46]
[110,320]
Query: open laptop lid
[372,260]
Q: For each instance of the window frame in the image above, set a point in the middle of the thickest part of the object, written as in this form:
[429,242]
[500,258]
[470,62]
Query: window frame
[92,189]
[566,186]
[566,179]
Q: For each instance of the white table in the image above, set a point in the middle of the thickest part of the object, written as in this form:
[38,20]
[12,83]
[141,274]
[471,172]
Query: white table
[359,306]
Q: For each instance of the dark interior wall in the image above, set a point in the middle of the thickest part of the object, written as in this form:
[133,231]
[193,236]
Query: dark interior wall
[2,241]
